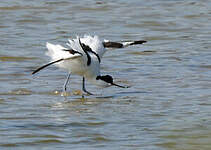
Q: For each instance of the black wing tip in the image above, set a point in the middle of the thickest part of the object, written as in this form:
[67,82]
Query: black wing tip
[139,42]
[73,52]
[42,67]
[112,45]
[120,45]
[35,71]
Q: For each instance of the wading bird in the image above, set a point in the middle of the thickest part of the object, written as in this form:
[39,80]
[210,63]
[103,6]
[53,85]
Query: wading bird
[83,57]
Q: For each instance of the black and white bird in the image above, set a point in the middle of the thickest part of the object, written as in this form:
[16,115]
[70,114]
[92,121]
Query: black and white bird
[83,57]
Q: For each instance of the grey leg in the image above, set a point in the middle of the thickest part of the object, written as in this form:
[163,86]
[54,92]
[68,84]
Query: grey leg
[84,89]
[66,82]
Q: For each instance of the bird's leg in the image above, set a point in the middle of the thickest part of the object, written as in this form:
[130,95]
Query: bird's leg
[84,89]
[66,82]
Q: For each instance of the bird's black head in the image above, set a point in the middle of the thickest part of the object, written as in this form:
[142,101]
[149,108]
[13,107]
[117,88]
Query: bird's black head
[109,79]
[106,78]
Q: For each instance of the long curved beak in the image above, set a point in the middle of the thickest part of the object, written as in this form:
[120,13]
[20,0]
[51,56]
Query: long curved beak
[119,85]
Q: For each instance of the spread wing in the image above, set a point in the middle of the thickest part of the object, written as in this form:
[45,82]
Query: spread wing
[58,53]
[53,62]
[109,44]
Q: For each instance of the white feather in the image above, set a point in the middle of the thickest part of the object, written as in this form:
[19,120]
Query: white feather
[125,44]
[79,65]
[94,43]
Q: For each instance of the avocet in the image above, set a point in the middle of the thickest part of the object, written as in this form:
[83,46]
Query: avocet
[83,57]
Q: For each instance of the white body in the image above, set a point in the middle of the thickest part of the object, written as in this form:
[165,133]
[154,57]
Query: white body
[77,64]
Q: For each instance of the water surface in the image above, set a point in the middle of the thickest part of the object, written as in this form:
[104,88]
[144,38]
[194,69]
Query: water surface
[167,106]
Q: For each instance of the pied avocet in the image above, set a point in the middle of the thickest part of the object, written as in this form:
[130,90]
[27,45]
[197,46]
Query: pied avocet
[83,57]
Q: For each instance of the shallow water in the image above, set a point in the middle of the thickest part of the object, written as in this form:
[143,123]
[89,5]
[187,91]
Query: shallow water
[168,105]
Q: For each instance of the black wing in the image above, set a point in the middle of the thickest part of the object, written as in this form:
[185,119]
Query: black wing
[122,44]
[44,66]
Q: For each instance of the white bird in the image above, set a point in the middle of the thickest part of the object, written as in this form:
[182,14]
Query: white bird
[83,58]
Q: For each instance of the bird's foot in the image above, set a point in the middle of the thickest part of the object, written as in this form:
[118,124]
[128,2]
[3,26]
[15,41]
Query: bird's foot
[85,93]
[88,93]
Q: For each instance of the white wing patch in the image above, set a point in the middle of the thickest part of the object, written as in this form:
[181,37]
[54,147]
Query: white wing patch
[92,41]
[57,52]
